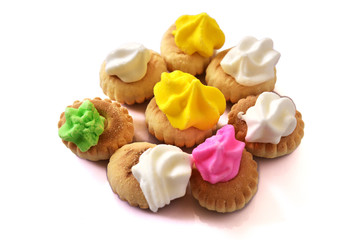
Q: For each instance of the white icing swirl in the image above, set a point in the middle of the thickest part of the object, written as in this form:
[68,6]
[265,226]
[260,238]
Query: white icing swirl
[163,173]
[251,62]
[271,118]
[128,62]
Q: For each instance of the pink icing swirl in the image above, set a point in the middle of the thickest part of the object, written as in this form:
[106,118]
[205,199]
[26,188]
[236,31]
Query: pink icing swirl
[218,158]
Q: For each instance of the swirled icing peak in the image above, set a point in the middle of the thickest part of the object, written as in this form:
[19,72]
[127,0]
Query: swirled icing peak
[271,118]
[186,102]
[163,173]
[218,158]
[128,62]
[198,33]
[252,61]
[83,126]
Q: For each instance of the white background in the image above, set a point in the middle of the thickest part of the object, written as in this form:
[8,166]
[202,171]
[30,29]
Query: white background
[50,55]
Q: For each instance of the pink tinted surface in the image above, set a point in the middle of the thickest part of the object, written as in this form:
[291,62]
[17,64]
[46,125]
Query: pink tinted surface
[50,55]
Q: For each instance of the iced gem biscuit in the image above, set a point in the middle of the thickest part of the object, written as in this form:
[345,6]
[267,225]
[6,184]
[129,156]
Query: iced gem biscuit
[271,118]
[94,128]
[251,62]
[199,33]
[183,112]
[83,126]
[190,42]
[225,177]
[187,102]
[269,124]
[128,63]
[148,175]
[130,72]
[163,173]
[246,69]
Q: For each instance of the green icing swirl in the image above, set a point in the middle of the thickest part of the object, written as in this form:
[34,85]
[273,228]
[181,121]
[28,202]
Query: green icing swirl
[83,126]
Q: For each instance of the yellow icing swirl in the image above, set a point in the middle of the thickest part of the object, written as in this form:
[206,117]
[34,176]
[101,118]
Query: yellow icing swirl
[198,33]
[186,102]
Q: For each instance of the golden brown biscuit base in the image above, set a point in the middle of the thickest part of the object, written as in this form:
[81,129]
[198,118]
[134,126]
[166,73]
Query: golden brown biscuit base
[118,130]
[177,59]
[227,196]
[267,150]
[135,92]
[233,91]
[160,127]
[120,176]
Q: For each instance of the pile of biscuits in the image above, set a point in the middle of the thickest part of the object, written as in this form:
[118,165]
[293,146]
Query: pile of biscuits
[183,112]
